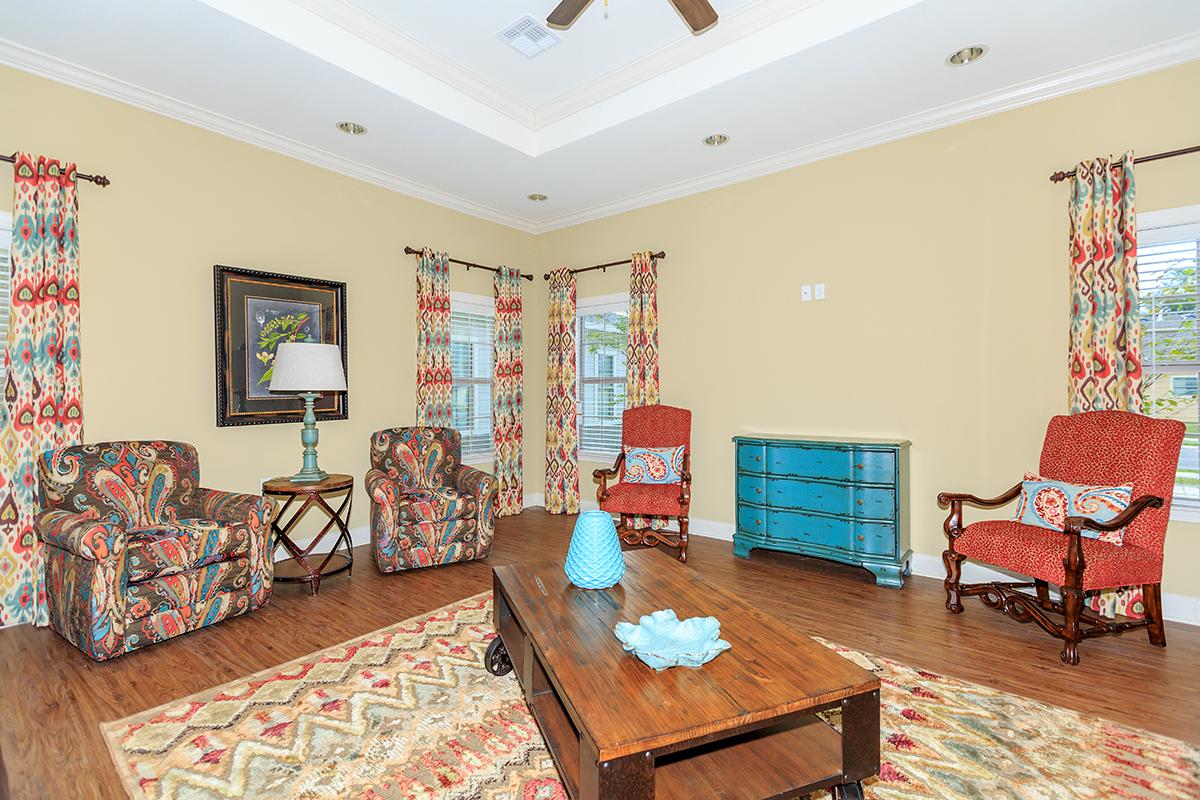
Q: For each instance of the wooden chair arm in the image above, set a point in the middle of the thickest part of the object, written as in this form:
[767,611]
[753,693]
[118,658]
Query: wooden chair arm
[948,498]
[1076,525]
[602,476]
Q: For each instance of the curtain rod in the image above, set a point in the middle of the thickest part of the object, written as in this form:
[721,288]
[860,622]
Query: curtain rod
[661,254]
[1058,177]
[470,265]
[99,180]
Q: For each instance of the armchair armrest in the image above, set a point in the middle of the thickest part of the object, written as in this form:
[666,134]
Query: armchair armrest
[602,476]
[381,488]
[85,537]
[235,507]
[953,526]
[949,498]
[476,482]
[1077,525]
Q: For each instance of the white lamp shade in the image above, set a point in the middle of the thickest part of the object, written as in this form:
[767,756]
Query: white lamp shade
[308,367]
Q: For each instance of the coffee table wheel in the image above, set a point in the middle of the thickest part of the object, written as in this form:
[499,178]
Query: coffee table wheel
[848,791]
[497,662]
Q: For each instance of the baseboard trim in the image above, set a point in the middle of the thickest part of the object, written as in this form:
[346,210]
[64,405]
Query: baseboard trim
[1176,607]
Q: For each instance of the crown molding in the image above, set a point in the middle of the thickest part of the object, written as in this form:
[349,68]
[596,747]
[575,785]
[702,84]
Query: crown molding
[56,69]
[416,53]
[731,28]
[1089,76]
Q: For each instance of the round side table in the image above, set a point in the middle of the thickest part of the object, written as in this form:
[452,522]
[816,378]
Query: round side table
[305,565]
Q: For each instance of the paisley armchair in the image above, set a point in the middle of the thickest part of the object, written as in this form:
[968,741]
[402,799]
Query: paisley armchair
[427,508]
[137,552]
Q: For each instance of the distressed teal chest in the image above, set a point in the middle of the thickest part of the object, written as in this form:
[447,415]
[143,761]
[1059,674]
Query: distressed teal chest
[841,499]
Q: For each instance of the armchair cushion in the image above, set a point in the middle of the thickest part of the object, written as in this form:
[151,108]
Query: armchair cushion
[1047,503]
[183,589]
[653,465]
[1039,552]
[168,549]
[646,499]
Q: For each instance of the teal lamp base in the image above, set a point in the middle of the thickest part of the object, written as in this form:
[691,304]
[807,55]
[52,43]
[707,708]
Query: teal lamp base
[310,473]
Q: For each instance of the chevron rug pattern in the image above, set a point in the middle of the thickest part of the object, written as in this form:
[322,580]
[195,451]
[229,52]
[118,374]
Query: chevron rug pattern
[408,712]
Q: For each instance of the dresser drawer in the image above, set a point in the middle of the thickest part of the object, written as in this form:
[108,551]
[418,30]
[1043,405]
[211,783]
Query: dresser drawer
[875,466]
[752,488]
[751,457]
[830,498]
[809,528]
[875,539]
[751,520]
[809,462]
[874,502]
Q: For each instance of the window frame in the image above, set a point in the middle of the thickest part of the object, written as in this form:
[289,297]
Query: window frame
[484,305]
[1163,227]
[589,306]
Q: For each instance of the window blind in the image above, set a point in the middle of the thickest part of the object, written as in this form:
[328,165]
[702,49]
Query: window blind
[1169,299]
[602,339]
[471,399]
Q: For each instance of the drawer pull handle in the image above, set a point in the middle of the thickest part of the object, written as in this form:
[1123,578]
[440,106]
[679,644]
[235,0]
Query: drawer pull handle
[758,458]
[758,490]
[758,522]
[862,538]
[858,466]
[860,502]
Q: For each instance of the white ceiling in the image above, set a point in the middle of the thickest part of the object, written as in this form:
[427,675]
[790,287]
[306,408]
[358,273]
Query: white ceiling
[609,119]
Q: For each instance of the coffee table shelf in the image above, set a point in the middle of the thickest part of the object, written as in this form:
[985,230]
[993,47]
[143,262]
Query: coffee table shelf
[743,727]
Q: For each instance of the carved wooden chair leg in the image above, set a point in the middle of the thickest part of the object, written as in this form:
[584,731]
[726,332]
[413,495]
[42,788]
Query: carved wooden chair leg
[953,562]
[1072,636]
[1043,594]
[683,538]
[1152,595]
[624,522]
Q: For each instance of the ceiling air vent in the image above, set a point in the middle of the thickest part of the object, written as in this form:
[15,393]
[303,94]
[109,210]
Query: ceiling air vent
[528,37]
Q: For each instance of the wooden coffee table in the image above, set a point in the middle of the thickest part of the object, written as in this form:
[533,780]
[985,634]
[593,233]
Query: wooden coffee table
[741,726]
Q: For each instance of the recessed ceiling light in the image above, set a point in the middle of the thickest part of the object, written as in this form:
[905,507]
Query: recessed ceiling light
[352,128]
[538,198]
[716,140]
[968,55]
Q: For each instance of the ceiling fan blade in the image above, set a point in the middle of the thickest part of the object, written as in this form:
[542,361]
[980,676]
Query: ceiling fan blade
[566,13]
[698,14]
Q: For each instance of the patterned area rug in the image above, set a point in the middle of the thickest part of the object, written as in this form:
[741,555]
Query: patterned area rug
[409,712]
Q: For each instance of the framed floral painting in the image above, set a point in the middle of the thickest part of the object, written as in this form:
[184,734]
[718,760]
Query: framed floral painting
[256,312]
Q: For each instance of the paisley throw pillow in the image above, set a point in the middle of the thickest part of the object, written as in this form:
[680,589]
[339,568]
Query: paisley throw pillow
[1047,503]
[658,465]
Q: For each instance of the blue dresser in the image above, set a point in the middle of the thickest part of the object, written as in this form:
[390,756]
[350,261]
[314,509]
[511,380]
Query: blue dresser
[841,499]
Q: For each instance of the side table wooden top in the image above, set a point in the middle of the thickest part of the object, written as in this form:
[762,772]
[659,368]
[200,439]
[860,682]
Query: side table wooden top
[334,482]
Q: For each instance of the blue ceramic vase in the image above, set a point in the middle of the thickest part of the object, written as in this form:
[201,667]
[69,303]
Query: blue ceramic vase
[594,560]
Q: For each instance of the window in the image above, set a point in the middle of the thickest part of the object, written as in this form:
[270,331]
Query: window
[472,318]
[5,275]
[602,328]
[1168,256]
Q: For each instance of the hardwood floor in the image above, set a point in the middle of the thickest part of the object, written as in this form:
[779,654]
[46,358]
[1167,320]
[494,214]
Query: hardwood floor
[54,698]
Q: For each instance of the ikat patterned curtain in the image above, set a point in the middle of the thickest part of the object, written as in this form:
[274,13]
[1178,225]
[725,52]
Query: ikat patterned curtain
[434,378]
[508,400]
[43,394]
[1106,336]
[641,350]
[562,434]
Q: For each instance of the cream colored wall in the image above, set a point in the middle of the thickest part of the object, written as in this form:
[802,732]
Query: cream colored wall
[946,319]
[183,199]
[942,256]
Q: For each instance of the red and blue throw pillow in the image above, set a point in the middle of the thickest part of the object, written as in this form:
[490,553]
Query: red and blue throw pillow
[1047,503]
[656,465]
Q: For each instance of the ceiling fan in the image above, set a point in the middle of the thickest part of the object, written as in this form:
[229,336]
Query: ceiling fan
[698,14]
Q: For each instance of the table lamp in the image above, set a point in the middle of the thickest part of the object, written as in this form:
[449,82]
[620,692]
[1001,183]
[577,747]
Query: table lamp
[309,369]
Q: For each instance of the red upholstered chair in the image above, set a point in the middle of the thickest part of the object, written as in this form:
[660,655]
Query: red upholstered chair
[1109,448]
[650,426]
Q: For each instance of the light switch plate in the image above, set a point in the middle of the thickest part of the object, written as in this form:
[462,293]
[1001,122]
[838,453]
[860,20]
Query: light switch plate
[805,293]
[819,291]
